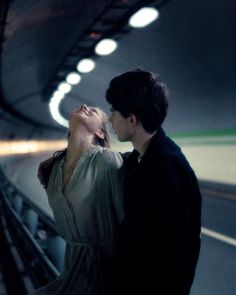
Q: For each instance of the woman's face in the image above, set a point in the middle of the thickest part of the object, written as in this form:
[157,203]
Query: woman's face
[90,117]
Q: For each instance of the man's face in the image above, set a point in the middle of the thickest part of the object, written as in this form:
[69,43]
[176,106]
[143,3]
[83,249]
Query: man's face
[121,125]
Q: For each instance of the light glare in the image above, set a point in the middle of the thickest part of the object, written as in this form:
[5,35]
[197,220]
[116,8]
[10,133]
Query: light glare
[25,147]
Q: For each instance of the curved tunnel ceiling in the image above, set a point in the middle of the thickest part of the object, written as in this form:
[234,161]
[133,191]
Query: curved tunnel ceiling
[192,46]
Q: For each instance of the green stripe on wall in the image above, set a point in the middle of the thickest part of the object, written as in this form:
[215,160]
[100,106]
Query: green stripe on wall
[203,133]
[205,137]
[213,143]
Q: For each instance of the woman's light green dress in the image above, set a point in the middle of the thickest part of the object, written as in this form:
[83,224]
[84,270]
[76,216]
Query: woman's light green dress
[87,215]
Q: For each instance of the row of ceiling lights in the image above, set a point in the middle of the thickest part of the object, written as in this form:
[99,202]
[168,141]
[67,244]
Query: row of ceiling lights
[140,19]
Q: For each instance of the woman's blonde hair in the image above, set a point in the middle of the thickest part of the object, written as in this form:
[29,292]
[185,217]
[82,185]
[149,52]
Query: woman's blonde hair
[104,142]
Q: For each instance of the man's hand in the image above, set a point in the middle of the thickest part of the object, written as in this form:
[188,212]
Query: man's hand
[44,171]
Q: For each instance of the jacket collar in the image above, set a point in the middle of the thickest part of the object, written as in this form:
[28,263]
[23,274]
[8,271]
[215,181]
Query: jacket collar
[156,141]
[155,144]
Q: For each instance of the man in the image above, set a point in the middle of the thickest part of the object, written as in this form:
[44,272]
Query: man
[159,240]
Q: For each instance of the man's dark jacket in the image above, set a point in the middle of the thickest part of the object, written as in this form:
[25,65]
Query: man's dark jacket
[159,240]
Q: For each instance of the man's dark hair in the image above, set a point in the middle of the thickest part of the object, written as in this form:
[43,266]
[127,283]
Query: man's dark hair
[141,93]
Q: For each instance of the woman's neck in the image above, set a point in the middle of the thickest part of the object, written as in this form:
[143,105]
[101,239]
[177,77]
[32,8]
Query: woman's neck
[77,145]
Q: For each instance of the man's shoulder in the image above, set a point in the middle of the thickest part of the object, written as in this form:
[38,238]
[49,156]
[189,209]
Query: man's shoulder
[169,154]
[125,156]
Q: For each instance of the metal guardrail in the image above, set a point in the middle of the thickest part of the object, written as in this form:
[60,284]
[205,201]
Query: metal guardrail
[33,233]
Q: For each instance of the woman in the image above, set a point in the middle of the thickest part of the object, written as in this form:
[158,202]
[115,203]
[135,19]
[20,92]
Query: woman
[84,190]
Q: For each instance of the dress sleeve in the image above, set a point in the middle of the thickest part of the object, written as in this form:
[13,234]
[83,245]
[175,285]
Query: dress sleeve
[100,211]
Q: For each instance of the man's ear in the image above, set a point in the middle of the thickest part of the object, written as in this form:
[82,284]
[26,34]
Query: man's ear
[100,134]
[132,119]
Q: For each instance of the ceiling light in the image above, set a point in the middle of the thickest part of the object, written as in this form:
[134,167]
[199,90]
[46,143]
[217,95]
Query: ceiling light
[143,17]
[85,65]
[58,94]
[64,87]
[105,47]
[73,78]
[54,110]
